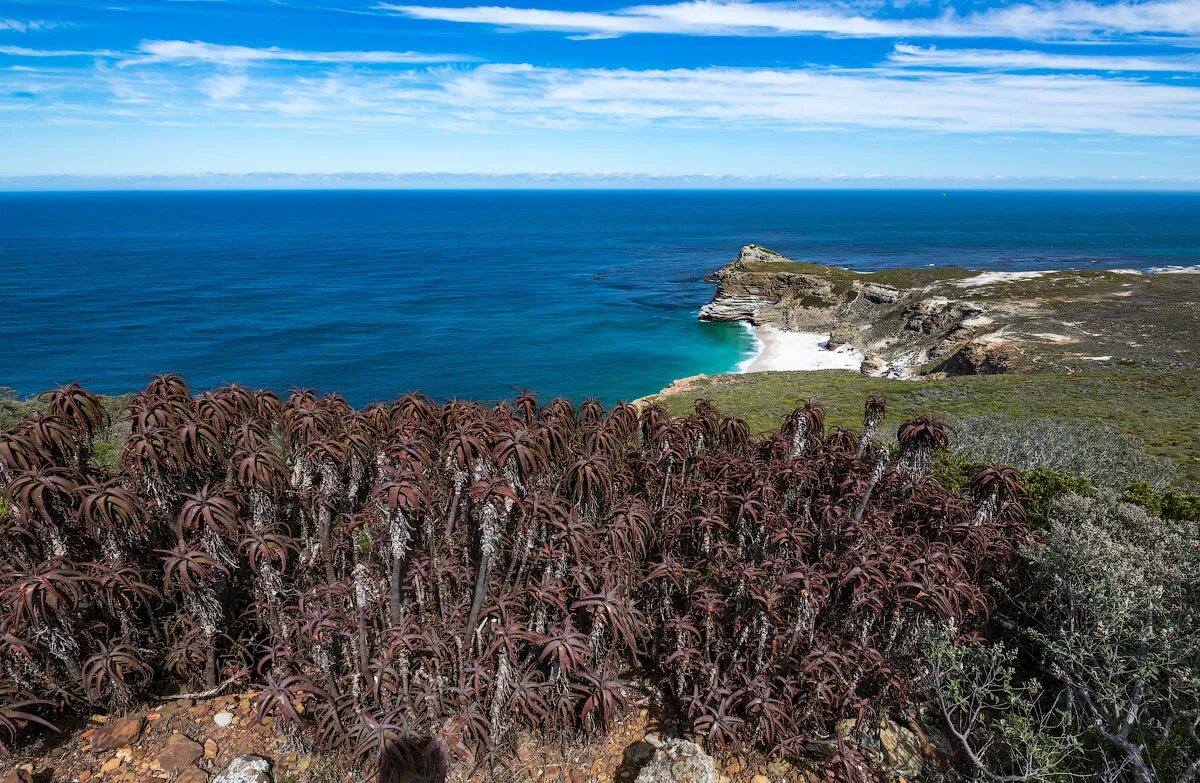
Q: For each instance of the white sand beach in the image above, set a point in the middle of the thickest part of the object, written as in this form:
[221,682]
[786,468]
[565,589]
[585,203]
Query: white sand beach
[781,350]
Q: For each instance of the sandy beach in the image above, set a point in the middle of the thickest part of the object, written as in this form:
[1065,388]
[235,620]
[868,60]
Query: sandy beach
[781,350]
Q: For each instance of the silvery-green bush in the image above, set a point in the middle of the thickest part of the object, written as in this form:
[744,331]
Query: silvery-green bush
[1114,602]
[1100,674]
[1094,450]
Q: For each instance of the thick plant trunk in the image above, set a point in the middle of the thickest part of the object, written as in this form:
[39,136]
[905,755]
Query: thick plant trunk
[360,605]
[477,598]
[798,438]
[489,539]
[450,517]
[870,427]
[210,663]
[876,474]
[394,598]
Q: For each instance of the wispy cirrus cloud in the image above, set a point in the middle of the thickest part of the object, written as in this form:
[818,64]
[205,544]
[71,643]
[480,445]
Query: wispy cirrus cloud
[23,51]
[829,98]
[500,98]
[25,25]
[1023,60]
[1074,19]
[150,52]
[201,52]
[701,17]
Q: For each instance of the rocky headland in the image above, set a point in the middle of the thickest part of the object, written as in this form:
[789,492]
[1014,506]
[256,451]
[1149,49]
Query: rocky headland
[944,321]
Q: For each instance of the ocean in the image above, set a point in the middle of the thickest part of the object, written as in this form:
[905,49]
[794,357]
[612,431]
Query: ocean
[477,294]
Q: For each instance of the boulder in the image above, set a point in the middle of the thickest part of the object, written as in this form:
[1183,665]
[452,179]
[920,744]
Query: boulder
[245,769]
[678,761]
[980,358]
[873,364]
[178,753]
[118,733]
[638,754]
[901,748]
[880,294]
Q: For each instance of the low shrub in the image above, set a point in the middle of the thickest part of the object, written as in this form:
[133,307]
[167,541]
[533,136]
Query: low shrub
[1042,485]
[1094,451]
[1168,505]
[1100,670]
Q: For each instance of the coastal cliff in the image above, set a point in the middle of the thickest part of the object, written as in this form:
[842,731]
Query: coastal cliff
[932,322]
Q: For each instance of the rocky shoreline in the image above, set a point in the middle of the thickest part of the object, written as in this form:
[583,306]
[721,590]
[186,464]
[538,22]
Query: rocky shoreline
[937,322]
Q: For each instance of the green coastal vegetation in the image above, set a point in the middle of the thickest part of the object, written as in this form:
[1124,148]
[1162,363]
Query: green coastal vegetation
[1159,410]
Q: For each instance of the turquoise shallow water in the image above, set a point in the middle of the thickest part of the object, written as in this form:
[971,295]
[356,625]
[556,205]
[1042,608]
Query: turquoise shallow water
[474,294]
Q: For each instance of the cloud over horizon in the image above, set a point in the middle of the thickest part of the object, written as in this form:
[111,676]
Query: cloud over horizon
[502,97]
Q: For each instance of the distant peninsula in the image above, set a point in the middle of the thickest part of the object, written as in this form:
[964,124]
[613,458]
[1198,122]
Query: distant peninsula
[946,321]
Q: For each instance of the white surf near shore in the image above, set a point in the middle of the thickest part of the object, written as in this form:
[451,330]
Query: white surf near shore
[780,350]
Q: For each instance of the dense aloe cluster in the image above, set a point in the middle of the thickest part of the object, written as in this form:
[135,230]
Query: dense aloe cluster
[419,578]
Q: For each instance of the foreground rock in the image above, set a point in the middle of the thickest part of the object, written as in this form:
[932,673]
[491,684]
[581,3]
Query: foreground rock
[245,769]
[118,733]
[902,749]
[178,753]
[933,321]
[678,761]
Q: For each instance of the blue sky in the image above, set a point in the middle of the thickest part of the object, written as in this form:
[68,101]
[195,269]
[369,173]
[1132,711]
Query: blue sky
[718,92]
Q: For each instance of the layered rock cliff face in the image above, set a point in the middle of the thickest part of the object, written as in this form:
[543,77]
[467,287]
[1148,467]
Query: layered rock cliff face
[932,321]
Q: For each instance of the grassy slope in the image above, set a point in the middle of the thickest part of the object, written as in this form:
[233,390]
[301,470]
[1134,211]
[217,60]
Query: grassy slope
[1160,409]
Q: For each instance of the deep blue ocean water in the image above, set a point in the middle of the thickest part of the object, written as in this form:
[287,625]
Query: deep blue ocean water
[475,294]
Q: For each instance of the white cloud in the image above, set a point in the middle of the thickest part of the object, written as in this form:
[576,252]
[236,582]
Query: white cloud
[702,17]
[150,52]
[495,98]
[1072,20]
[1006,60]
[224,88]
[22,51]
[1084,20]
[24,26]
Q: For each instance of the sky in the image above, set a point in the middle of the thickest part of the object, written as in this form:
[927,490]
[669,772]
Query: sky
[369,93]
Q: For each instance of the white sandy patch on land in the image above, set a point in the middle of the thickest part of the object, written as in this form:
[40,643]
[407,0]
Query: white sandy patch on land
[782,350]
[1051,337]
[988,278]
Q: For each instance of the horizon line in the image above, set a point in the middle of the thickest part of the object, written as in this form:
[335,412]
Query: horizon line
[533,181]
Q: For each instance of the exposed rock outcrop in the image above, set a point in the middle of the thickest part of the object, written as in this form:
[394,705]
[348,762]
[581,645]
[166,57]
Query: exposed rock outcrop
[751,289]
